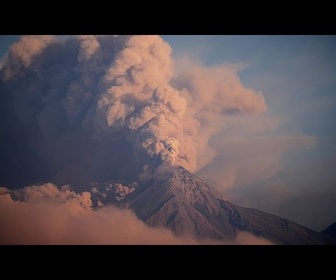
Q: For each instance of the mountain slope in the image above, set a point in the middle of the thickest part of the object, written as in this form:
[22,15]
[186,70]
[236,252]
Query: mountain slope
[182,202]
[330,230]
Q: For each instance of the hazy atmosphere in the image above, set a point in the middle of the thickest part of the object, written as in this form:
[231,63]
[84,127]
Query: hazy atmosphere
[253,116]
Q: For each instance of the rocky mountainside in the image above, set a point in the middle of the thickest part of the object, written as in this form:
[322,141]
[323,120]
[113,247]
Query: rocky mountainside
[184,203]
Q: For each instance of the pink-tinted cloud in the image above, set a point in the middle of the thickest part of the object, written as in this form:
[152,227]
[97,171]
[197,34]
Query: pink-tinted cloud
[47,215]
[213,94]
[23,52]
[89,46]
[30,46]
[245,238]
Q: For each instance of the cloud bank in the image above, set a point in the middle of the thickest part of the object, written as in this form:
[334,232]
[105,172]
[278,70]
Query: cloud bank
[47,215]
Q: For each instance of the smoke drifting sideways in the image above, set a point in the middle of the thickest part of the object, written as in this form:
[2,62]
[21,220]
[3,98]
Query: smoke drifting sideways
[44,214]
[87,109]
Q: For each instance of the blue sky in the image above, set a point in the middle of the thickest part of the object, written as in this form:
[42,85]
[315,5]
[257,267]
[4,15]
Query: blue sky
[297,76]
[6,41]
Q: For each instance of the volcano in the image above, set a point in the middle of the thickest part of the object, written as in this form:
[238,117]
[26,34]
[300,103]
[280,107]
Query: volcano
[180,201]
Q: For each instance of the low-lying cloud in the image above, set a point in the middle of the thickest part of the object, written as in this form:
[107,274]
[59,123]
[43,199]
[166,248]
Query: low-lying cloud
[47,215]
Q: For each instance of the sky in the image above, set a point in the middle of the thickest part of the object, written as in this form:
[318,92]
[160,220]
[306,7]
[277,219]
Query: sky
[254,116]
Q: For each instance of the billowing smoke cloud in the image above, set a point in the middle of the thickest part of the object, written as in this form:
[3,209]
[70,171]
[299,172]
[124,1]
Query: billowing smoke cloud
[22,53]
[94,108]
[47,215]
[213,95]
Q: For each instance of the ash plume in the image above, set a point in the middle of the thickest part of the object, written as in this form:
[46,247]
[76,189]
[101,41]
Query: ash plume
[93,108]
